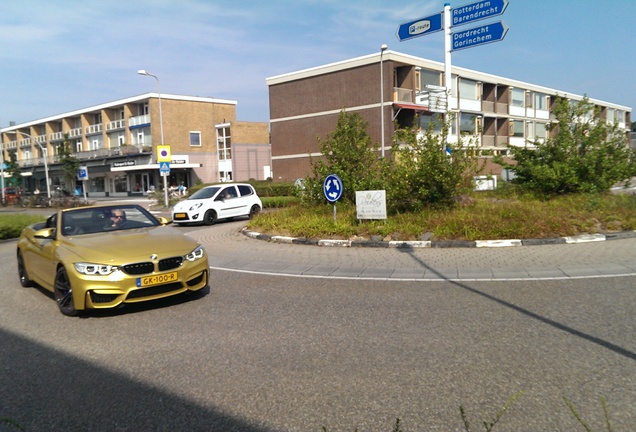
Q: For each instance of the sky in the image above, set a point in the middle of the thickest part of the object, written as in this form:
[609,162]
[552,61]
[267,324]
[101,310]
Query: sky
[58,56]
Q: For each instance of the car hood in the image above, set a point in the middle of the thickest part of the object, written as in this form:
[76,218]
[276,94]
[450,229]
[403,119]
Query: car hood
[186,204]
[125,246]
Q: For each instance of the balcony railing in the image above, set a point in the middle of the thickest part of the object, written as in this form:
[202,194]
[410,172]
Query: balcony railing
[75,133]
[116,124]
[56,136]
[84,155]
[402,95]
[94,129]
[140,120]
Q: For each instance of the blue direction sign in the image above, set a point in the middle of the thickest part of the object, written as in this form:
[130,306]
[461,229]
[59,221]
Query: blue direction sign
[476,11]
[420,27]
[493,32]
[332,188]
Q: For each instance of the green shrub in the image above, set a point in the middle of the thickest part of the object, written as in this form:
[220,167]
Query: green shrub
[11,225]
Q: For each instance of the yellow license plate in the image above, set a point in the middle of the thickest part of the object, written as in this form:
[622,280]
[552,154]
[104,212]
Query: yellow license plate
[156,279]
[180,216]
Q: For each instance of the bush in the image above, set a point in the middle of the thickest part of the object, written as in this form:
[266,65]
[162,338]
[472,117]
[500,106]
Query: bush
[11,225]
[584,154]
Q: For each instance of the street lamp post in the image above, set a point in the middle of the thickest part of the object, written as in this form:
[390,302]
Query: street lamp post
[382,49]
[45,156]
[2,168]
[165,177]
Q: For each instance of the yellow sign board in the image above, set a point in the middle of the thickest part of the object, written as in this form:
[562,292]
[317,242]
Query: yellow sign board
[163,153]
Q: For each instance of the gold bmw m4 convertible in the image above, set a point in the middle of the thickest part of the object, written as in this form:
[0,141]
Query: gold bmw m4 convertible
[104,256]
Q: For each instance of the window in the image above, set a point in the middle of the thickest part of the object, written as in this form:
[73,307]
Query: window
[468,89]
[120,140]
[427,120]
[518,97]
[224,142]
[467,124]
[541,131]
[530,131]
[429,77]
[245,190]
[78,146]
[516,128]
[541,101]
[120,183]
[195,139]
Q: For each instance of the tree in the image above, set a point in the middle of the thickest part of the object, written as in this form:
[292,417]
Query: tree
[583,154]
[70,164]
[349,153]
[429,170]
[13,169]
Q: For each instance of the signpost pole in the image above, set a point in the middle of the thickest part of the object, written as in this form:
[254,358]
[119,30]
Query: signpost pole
[448,76]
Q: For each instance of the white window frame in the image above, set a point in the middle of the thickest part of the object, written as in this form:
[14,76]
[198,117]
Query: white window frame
[195,134]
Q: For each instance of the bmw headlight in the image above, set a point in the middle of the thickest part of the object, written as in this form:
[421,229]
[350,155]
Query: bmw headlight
[94,269]
[195,254]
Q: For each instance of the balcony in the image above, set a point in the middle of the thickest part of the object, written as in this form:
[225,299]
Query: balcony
[403,95]
[140,120]
[56,136]
[94,129]
[25,143]
[116,125]
[75,133]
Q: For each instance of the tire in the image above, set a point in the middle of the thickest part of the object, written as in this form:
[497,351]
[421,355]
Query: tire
[63,293]
[22,272]
[210,217]
[254,211]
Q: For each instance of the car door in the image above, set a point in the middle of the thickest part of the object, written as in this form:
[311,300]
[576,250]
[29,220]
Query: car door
[41,255]
[226,202]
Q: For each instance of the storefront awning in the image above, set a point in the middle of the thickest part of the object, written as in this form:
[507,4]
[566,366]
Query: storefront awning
[410,106]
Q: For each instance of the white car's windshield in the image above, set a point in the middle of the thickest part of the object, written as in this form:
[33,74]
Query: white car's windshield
[205,193]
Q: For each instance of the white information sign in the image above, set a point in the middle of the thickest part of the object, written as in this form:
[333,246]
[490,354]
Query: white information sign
[371,204]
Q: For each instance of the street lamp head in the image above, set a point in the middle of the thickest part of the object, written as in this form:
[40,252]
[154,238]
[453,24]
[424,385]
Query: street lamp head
[142,72]
[384,47]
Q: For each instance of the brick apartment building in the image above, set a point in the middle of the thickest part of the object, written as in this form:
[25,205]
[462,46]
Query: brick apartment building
[494,111]
[117,142]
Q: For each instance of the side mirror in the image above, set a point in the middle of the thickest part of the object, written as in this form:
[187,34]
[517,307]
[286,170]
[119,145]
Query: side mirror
[46,233]
[164,220]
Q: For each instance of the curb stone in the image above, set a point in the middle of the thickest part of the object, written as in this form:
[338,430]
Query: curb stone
[583,238]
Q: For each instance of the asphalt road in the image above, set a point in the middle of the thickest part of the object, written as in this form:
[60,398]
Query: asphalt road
[266,351]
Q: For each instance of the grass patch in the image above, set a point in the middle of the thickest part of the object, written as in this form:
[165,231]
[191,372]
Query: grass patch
[482,216]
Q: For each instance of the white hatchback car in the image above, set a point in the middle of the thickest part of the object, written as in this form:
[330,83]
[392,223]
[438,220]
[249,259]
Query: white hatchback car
[212,203]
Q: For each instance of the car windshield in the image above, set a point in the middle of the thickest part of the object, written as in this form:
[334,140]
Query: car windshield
[90,220]
[205,193]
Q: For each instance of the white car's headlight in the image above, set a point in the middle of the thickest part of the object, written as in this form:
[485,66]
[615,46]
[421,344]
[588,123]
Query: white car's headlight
[195,206]
[94,269]
[195,254]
